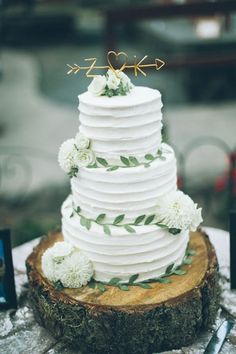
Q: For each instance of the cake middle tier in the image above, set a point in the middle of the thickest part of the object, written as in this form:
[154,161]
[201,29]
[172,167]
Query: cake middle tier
[131,191]
[122,125]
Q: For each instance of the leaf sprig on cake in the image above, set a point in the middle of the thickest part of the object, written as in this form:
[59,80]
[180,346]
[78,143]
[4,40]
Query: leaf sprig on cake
[77,152]
[175,212]
[129,161]
[145,284]
[117,221]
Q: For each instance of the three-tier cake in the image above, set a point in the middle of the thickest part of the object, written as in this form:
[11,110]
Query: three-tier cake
[125,253]
[131,175]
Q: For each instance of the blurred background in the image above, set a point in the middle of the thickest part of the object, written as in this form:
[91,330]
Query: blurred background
[38,101]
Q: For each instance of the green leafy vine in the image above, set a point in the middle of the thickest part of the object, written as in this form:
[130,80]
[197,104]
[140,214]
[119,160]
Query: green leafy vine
[170,270]
[130,161]
[129,227]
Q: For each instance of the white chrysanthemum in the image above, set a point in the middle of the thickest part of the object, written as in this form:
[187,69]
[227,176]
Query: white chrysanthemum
[177,210]
[48,265]
[113,81]
[97,86]
[61,250]
[81,141]
[84,157]
[126,82]
[75,270]
[66,155]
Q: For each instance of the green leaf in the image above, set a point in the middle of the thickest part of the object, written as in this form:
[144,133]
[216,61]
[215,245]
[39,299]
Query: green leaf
[146,165]
[133,278]
[123,287]
[149,219]
[159,152]
[149,157]
[72,214]
[102,161]
[144,285]
[78,210]
[73,172]
[130,229]
[179,272]
[82,220]
[100,218]
[114,281]
[139,219]
[169,268]
[174,231]
[118,219]
[92,284]
[163,226]
[107,230]
[187,261]
[88,224]
[163,280]
[109,93]
[94,165]
[101,287]
[113,168]
[125,160]
[133,160]
[58,285]
[190,252]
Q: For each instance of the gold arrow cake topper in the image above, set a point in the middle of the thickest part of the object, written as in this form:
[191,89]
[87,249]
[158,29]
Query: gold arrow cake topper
[113,56]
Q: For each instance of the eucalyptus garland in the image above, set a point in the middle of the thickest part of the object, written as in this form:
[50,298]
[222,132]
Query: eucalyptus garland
[129,227]
[130,161]
[170,270]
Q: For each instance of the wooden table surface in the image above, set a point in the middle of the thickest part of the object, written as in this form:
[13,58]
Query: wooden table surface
[20,333]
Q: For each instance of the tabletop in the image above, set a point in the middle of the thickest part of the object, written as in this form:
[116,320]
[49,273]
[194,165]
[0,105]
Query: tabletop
[21,334]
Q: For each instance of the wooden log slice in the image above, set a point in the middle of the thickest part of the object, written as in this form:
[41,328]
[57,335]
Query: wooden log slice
[138,321]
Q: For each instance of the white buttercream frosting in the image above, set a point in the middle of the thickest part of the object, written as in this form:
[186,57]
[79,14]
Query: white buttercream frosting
[148,252]
[122,125]
[130,191]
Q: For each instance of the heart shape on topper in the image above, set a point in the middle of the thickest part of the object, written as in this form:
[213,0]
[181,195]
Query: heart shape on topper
[123,55]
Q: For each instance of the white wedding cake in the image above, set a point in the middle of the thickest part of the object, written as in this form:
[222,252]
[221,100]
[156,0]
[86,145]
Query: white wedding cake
[125,213]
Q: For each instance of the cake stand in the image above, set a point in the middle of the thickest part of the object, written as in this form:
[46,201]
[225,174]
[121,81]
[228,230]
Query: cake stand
[138,321]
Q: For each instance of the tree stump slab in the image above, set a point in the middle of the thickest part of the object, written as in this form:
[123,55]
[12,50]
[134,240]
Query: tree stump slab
[138,321]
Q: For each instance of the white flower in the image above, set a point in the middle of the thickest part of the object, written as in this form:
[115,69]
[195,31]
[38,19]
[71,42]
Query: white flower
[48,265]
[113,81]
[97,86]
[75,270]
[81,141]
[67,264]
[61,250]
[84,157]
[66,155]
[125,80]
[177,210]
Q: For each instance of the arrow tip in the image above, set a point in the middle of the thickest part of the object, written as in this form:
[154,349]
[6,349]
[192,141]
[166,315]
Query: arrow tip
[159,64]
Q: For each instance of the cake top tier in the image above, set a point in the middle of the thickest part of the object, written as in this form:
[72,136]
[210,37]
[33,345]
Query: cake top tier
[139,95]
[128,125]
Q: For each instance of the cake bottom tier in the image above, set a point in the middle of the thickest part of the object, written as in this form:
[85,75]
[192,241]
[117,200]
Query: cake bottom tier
[138,321]
[147,252]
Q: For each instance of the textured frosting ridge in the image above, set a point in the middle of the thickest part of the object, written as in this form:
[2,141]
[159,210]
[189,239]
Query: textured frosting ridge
[122,125]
